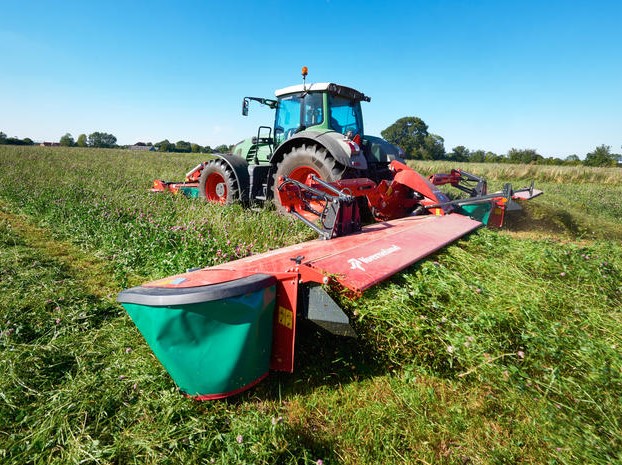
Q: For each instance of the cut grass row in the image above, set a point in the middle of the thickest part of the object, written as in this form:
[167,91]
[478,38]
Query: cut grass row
[503,348]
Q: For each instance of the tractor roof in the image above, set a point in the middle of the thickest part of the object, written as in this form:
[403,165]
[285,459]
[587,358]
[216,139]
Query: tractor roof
[329,87]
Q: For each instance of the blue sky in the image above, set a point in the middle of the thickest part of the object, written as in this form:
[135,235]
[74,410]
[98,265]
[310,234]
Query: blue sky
[486,74]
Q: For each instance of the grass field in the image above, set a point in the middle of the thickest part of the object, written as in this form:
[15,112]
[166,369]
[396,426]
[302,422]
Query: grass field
[505,347]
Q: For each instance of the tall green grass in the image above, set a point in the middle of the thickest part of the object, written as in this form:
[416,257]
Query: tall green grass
[579,201]
[100,200]
[572,175]
[502,348]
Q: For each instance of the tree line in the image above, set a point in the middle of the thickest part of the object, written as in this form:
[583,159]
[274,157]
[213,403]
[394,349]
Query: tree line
[410,133]
[189,147]
[95,139]
[107,141]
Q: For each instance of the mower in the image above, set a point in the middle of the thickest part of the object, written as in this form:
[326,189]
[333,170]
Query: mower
[219,330]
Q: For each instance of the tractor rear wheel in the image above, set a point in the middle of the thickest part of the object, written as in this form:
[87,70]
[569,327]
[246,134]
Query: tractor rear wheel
[218,184]
[302,161]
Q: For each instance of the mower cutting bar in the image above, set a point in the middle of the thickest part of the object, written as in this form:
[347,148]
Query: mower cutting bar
[506,194]
[189,189]
[526,193]
[360,261]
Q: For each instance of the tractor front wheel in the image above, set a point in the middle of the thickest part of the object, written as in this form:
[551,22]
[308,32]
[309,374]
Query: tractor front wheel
[302,161]
[217,183]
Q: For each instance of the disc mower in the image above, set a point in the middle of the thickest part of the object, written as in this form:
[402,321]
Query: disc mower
[220,330]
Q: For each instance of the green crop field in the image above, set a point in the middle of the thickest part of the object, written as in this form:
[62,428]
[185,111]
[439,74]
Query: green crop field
[503,348]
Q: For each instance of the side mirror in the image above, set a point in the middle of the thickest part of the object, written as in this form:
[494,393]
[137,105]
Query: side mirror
[245,103]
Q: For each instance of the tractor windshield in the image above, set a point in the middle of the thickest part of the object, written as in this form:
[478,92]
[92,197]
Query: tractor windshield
[345,115]
[297,112]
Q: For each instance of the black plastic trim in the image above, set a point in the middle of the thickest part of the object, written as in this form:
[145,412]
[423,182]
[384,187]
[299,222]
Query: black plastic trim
[166,296]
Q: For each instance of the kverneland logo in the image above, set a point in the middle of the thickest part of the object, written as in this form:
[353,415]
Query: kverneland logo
[357,263]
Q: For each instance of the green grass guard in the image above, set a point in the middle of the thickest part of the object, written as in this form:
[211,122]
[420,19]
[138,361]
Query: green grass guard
[214,340]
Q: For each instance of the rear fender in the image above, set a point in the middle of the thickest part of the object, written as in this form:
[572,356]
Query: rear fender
[239,166]
[381,151]
[332,141]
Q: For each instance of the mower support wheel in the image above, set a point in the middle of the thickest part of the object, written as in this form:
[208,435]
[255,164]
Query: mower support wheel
[218,183]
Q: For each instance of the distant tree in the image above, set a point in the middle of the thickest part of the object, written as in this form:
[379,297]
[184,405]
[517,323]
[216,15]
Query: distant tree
[81,142]
[28,141]
[67,140]
[206,149]
[15,141]
[2,138]
[477,156]
[102,140]
[409,133]
[552,161]
[222,149]
[572,160]
[183,146]
[433,148]
[601,156]
[163,146]
[524,156]
[196,148]
[492,157]
[460,153]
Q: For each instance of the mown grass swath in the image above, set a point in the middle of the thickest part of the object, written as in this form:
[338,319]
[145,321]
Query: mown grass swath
[502,348]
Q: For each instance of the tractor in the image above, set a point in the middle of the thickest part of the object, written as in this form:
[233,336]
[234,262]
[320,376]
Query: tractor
[318,130]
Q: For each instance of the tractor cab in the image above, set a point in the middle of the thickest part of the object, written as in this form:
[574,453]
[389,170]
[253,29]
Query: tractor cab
[318,108]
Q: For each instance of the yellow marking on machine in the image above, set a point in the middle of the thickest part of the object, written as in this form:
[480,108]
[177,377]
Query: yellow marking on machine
[286,317]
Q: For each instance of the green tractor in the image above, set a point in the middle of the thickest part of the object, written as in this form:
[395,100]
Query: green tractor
[318,129]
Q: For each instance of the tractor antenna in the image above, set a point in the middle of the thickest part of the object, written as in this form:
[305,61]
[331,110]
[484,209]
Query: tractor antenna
[305,71]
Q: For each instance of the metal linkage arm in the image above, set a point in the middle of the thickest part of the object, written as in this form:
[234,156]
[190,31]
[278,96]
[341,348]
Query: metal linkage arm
[339,213]
[460,180]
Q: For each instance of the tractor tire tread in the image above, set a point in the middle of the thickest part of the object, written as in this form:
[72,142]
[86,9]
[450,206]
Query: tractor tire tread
[224,170]
[313,156]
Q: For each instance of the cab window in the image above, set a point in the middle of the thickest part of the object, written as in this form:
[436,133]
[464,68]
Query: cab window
[345,115]
[296,113]
[287,117]
[313,110]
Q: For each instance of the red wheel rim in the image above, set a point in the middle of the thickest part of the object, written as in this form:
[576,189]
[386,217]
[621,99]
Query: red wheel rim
[216,188]
[301,173]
